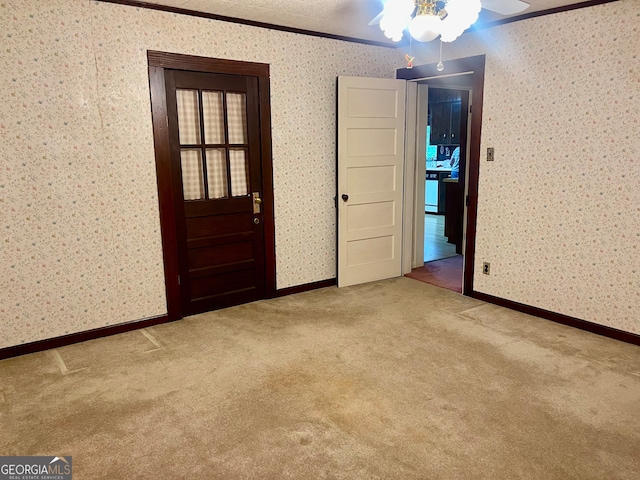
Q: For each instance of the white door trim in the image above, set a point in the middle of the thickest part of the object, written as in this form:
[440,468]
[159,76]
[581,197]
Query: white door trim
[420,126]
[411,163]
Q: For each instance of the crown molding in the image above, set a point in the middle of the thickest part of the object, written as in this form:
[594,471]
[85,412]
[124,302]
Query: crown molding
[540,13]
[252,23]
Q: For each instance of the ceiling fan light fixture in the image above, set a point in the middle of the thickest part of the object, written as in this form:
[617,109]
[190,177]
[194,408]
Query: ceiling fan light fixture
[395,18]
[425,28]
[445,18]
[461,14]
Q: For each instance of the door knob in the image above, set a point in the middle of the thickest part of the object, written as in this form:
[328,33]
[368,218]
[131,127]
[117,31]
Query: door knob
[256,220]
[345,197]
[256,202]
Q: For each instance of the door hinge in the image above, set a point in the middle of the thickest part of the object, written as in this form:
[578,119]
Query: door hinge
[466,200]
[470,108]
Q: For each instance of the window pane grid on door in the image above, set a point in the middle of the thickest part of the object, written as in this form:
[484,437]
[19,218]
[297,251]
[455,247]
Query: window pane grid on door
[237,118]
[192,174]
[217,173]
[213,116]
[188,116]
[215,121]
[239,170]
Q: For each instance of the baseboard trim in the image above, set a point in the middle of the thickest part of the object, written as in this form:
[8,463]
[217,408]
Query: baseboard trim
[57,342]
[306,287]
[72,338]
[598,329]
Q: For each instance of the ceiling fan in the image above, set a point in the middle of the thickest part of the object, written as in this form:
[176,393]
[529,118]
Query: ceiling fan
[428,19]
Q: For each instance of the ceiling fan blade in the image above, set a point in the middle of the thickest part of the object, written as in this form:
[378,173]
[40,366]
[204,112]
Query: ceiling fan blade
[376,19]
[505,7]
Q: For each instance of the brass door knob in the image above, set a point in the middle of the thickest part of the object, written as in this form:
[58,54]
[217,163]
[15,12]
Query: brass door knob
[256,202]
[256,220]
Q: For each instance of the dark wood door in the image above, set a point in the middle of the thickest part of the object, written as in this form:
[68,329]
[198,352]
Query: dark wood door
[214,132]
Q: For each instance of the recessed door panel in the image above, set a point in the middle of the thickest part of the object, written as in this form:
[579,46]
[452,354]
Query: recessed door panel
[370,250]
[212,286]
[371,142]
[372,103]
[370,216]
[219,226]
[220,255]
[371,179]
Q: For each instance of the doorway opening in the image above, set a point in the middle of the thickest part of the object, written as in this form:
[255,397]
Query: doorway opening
[447,156]
[443,150]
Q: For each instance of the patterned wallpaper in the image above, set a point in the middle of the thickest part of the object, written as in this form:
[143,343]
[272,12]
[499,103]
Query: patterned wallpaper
[558,210]
[558,213]
[78,198]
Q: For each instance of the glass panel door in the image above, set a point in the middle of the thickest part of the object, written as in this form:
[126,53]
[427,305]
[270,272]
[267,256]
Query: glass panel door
[212,127]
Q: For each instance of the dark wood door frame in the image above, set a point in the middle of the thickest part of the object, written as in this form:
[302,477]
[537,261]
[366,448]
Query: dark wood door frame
[475,66]
[158,62]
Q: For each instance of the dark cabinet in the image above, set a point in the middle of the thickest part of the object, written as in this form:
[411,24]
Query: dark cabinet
[454,129]
[445,107]
[445,123]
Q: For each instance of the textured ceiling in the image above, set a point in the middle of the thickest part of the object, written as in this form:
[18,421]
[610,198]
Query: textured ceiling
[348,18]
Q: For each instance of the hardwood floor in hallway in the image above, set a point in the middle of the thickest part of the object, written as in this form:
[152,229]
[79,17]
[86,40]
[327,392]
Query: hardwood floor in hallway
[445,273]
[442,266]
[436,246]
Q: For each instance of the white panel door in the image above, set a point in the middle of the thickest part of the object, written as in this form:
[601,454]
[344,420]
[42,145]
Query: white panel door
[371,121]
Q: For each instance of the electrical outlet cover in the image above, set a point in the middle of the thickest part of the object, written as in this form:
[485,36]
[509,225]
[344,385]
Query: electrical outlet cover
[490,154]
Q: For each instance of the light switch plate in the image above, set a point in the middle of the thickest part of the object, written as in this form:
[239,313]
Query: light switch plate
[490,154]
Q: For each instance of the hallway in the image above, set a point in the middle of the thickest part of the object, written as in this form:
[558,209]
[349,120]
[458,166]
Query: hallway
[436,246]
[445,273]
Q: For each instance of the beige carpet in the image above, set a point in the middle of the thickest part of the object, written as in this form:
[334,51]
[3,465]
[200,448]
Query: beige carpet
[391,380]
